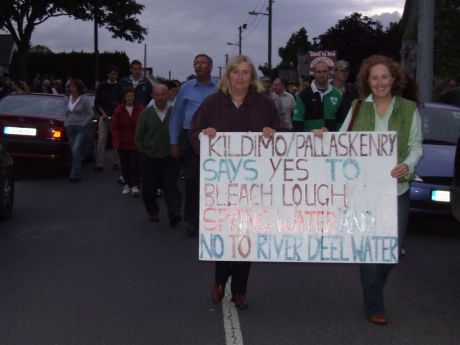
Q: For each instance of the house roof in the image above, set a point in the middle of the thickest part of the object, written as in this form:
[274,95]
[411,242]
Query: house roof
[7,47]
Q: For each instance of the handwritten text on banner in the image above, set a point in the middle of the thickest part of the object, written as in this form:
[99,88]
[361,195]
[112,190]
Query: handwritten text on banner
[298,198]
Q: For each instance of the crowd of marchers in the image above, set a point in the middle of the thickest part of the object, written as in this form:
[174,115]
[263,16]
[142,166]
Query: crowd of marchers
[155,129]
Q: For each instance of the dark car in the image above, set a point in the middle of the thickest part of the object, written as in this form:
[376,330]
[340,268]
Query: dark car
[455,188]
[430,190]
[32,125]
[451,96]
[6,184]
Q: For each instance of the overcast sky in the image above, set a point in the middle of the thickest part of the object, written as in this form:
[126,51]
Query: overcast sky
[180,29]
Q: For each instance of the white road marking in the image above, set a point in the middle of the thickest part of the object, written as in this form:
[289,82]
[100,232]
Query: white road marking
[232,328]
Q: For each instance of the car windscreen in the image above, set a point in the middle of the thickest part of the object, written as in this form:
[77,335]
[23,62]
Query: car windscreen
[29,105]
[440,125]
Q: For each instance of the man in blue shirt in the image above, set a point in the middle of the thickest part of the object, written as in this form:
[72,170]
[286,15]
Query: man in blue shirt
[189,98]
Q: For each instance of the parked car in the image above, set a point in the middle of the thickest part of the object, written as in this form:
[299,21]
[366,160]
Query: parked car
[32,125]
[455,188]
[451,96]
[6,184]
[430,190]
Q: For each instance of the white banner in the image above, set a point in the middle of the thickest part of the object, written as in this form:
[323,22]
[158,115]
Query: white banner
[299,198]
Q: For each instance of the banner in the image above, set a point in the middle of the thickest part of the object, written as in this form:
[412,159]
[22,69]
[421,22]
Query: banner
[299,198]
[305,62]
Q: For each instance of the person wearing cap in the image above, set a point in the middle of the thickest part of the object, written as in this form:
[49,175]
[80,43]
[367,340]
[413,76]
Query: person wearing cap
[348,91]
[318,104]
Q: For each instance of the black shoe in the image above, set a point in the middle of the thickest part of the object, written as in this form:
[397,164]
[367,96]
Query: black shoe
[121,180]
[191,230]
[175,219]
[116,167]
[98,169]
[74,179]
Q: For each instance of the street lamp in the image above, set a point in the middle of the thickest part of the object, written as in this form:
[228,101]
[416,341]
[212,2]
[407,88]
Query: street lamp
[269,14]
[235,44]
[240,30]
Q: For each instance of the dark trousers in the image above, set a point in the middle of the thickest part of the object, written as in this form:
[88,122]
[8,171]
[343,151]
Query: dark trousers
[239,272]
[130,168]
[162,172]
[191,163]
[373,276]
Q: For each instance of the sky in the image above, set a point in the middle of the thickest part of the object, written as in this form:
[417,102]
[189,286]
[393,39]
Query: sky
[180,29]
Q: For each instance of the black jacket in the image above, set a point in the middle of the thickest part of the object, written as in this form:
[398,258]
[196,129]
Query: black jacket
[142,91]
[107,97]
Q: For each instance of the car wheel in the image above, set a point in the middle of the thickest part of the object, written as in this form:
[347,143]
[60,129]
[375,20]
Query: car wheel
[6,194]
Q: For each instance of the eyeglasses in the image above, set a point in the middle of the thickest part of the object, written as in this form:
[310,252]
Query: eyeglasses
[198,63]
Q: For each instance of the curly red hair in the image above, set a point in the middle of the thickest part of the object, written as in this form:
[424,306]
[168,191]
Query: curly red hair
[362,79]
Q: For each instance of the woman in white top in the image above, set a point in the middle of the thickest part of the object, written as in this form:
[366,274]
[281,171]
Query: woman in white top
[77,121]
[381,82]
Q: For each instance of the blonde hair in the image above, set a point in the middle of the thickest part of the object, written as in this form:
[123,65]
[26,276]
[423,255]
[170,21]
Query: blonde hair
[233,63]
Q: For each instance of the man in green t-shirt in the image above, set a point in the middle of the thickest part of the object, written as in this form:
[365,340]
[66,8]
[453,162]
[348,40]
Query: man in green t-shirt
[318,104]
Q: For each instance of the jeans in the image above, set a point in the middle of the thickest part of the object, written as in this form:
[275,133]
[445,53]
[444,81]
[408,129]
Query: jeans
[77,138]
[373,276]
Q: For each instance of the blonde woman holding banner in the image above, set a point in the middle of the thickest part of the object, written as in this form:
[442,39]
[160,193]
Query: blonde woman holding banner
[238,106]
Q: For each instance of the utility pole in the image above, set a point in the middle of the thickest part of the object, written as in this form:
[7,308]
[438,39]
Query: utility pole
[96,52]
[226,59]
[269,13]
[240,30]
[425,49]
[220,71]
[145,60]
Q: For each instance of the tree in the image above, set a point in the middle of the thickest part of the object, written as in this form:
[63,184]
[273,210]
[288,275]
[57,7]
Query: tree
[21,17]
[447,31]
[356,37]
[298,42]
[39,49]
[272,73]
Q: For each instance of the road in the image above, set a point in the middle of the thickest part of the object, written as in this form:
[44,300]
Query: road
[80,264]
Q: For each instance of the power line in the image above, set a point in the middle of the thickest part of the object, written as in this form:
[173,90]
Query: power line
[259,19]
[252,18]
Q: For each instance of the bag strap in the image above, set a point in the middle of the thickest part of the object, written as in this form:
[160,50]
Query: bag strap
[359,102]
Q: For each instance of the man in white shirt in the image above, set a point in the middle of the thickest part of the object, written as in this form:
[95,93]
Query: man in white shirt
[286,103]
[159,167]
